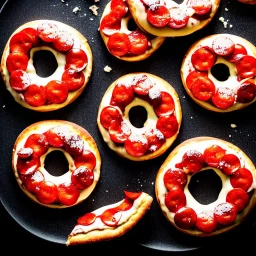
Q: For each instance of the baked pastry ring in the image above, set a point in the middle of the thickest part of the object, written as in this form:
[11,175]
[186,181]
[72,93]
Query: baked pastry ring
[120,41]
[30,151]
[74,65]
[111,221]
[219,72]
[237,196]
[162,124]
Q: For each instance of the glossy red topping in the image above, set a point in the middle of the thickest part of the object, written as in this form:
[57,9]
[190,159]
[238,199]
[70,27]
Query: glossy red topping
[205,222]
[246,92]
[225,213]
[175,199]
[155,139]
[21,42]
[86,219]
[38,142]
[73,79]
[178,18]
[167,125]
[109,114]
[87,159]
[203,59]
[223,46]
[132,195]
[56,91]
[16,61]
[119,131]
[166,105]
[158,15]
[68,193]
[223,98]
[238,53]
[238,197]
[64,41]
[119,44]
[47,31]
[203,88]
[246,66]
[32,180]
[28,165]
[35,95]
[193,76]
[185,218]
[141,84]
[76,59]
[229,164]
[55,136]
[122,95]
[74,144]
[136,145]
[19,80]
[201,7]
[175,178]
[241,178]
[119,7]
[213,155]
[139,42]
[82,177]
[110,24]
[46,192]
[192,161]
[25,152]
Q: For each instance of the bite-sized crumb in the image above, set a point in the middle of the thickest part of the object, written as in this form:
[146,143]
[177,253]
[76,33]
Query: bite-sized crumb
[3,106]
[94,9]
[107,69]
[76,10]
[233,125]
[229,135]
[225,22]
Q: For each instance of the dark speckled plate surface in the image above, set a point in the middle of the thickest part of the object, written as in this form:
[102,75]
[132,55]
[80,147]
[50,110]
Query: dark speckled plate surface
[118,174]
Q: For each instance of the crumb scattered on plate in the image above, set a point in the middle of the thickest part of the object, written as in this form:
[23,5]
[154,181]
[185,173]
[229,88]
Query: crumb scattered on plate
[94,9]
[107,68]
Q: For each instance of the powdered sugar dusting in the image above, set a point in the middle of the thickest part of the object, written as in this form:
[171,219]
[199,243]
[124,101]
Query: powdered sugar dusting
[125,128]
[178,14]
[222,44]
[76,142]
[25,79]
[154,93]
[137,137]
[225,92]
[66,37]
[223,208]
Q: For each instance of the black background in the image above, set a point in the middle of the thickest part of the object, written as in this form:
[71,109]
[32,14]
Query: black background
[47,229]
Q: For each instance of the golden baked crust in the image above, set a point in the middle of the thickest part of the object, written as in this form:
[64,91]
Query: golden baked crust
[155,41]
[138,12]
[186,65]
[160,189]
[178,112]
[43,126]
[109,233]
[72,95]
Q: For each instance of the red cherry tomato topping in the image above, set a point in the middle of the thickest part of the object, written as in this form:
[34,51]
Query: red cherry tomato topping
[31,180]
[175,199]
[246,66]
[87,159]
[139,42]
[64,41]
[119,7]
[55,136]
[178,18]
[136,145]
[109,114]
[141,84]
[205,222]
[46,192]
[68,193]
[19,80]
[167,125]
[192,77]
[28,165]
[87,219]
[38,142]
[246,92]
[166,106]
[16,61]
[132,195]
[33,34]
[203,59]
[158,15]
[238,197]
[201,6]
[192,161]
[56,91]
[108,217]
[223,98]
[35,95]
[73,79]
[203,88]
[25,152]
[175,178]
[238,52]
[119,131]
[119,44]
[76,59]
[223,45]
[82,177]
[225,213]
[110,24]
[122,95]
[155,139]
[74,144]
[185,218]
[47,31]
[241,178]
[229,164]
[213,155]
[21,42]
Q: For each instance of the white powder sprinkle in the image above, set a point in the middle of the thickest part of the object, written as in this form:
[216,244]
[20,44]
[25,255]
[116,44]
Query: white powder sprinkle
[154,93]
[94,9]
[125,128]
[107,69]
[3,106]
[76,9]
[66,37]
[25,79]
[136,137]
[226,9]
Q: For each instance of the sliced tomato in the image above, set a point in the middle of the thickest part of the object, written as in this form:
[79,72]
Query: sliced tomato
[31,180]
[56,91]
[122,95]
[185,218]
[223,45]
[76,59]
[28,165]
[108,217]
[55,137]
[108,114]
[241,178]
[158,15]
[175,178]
[38,142]
[167,125]
[136,145]
[246,92]
[201,7]
[35,95]
[19,80]
[223,98]
[68,193]
[33,34]
[178,18]
[82,177]
[119,7]
[87,159]
[16,61]
[126,204]
[192,77]
[25,152]
[87,219]
[63,41]
[246,66]
[213,155]
[74,144]
[238,53]
[139,42]
[21,42]
[119,44]
[175,199]
[229,164]
[205,222]
[203,58]
[132,195]
[238,197]
[119,131]
[141,84]
[203,88]
[110,23]
[166,106]
[155,139]
[73,79]
[192,161]
[225,213]
[47,31]
[46,192]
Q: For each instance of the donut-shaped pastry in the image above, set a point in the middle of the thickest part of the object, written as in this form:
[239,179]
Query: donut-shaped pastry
[111,221]
[170,19]
[120,41]
[235,200]
[163,116]
[80,150]
[219,72]
[74,65]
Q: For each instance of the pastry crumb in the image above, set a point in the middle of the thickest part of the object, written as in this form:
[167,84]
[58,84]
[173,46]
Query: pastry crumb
[107,69]
[76,10]
[233,126]
[94,9]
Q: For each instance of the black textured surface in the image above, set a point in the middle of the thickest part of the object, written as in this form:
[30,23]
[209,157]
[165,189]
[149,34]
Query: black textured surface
[118,174]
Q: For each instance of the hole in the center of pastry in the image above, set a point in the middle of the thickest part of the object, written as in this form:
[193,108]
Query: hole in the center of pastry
[45,63]
[138,115]
[132,25]
[205,186]
[56,163]
[220,71]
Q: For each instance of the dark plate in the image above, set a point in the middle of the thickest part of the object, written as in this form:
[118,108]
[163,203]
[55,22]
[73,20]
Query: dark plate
[118,174]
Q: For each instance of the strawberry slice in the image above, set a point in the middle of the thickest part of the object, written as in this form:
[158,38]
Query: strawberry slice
[119,7]
[87,219]
[238,53]
[175,199]
[192,161]
[16,61]
[63,41]
[203,88]
[132,195]
[139,42]
[19,80]
[223,46]
[192,77]
[175,178]
[223,98]
[56,91]
[141,84]
[122,95]
[38,143]
[203,59]
[225,213]
[110,24]
[155,139]
[178,17]
[35,95]
[241,178]
[68,194]
[82,177]
[229,164]
[28,165]
[205,222]
[119,44]
[73,79]
[136,145]
[21,42]
[56,136]
[108,114]
[74,144]
[32,180]
[46,192]
[213,155]
[87,159]
[246,66]
[25,152]
[158,16]
[33,34]
[47,31]
[166,106]
[109,219]
[238,197]
[119,131]
[246,92]
[185,218]
[125,205]
[167,125]
[201,7]
[76,59]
